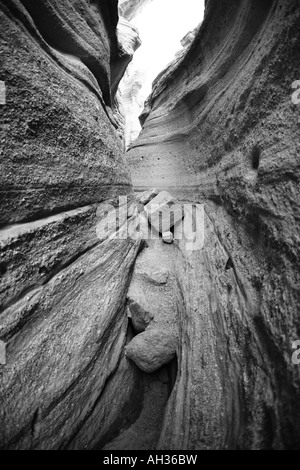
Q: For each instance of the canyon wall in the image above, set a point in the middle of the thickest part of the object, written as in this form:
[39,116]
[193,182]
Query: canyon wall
[220,129]
[130,8]
[62,290]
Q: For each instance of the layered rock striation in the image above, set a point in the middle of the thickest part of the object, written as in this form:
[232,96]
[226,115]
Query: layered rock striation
[221,129]
[111,342]
[63,320]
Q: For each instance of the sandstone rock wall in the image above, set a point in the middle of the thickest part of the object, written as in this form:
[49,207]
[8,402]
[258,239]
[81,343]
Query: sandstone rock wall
[220,128]
[62,291]
[129,8]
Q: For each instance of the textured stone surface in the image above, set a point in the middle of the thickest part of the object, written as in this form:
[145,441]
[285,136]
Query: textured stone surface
[152,349]
[163,212]
[133,102]
[162,198]
[59,146]
[129,8]
[133,80]
[129,42]
[153,307]
[155,274]
[113,410]
[139,310]
[62,292]
[221,129]
[144,433]
[2,353]
[146,196]
[65,339]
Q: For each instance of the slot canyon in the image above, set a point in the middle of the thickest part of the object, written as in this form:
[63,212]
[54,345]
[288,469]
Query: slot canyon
[118,342]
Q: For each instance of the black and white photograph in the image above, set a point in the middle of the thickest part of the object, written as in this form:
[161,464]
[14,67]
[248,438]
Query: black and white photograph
[149,228]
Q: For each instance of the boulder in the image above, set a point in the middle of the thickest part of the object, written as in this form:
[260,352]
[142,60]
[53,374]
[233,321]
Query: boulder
[152,349]
[163,212]
[147,196]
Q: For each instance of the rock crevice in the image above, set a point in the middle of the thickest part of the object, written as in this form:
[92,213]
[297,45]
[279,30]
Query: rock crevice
[220,129]
[114,341]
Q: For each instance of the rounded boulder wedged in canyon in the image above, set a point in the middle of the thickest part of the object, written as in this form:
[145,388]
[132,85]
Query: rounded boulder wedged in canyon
[152,349]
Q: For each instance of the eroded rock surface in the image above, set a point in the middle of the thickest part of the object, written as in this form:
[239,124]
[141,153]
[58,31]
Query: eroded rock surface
[129,42]
[152,307]
[144,433]
[129,8]
[220,128]
[60,146]
[62,290]
[152,349]
[147,196]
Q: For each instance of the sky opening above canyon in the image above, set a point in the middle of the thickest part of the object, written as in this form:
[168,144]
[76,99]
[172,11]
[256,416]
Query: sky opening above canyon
[162,24]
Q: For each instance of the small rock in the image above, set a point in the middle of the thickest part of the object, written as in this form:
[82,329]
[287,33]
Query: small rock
[167,237]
